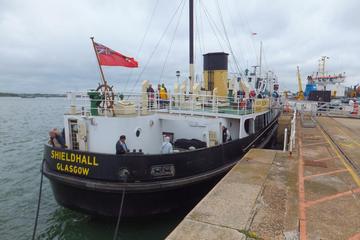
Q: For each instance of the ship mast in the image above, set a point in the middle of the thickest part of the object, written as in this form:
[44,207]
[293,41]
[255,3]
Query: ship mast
[191,44]
[260,61]
[322,65]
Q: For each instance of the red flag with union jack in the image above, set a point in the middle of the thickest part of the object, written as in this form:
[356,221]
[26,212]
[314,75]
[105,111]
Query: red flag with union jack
[109,57]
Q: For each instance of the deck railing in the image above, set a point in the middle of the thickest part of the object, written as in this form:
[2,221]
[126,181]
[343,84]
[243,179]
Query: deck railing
[95,104]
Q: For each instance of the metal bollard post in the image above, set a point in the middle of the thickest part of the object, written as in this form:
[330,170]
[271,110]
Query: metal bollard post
[291,146]
[285,140]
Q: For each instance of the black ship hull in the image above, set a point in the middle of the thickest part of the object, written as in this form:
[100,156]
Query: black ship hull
[94,183]
[136,204]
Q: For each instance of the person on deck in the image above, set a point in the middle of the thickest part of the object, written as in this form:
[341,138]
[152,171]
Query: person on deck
[163,96]
[158,96]
[151,96]
[226,137]
[56,138]
[163,86]
[166,147]
[121,147]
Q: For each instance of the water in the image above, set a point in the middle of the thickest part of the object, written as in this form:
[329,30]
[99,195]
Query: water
[24,125]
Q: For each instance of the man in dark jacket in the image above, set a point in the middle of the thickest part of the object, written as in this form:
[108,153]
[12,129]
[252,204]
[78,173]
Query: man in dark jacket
[57,139]
[121,147]
[226,137]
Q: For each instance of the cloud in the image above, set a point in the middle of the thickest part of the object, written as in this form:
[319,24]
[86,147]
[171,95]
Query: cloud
[45,45]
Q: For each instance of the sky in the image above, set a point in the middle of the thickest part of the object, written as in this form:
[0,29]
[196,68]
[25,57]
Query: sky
[45,46]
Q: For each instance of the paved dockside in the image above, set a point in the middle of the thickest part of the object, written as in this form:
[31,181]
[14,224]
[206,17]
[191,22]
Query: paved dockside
[314,194]
[329,184]
[230,208]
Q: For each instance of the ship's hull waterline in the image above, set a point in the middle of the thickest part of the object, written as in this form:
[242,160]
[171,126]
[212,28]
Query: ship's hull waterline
[96,186]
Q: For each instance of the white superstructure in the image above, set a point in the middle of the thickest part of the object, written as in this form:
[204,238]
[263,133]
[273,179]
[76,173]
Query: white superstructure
[193,117]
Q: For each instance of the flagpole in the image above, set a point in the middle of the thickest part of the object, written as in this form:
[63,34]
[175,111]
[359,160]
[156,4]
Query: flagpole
[103,78]
[98,60]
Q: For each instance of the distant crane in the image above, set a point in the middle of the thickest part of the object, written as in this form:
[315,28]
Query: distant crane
[300,94]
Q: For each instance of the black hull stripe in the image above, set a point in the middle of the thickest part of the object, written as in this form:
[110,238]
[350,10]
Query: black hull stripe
[133,187]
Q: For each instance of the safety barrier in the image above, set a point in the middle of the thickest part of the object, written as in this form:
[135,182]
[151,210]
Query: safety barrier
[292,135]
[111,104]
[332,109]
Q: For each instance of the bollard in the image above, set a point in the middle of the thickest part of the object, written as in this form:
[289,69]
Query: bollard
[291,146]
[285,140]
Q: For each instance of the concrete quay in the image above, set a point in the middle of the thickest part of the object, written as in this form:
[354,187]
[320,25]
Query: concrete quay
[313,194]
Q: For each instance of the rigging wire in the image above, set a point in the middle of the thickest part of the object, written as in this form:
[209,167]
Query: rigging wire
[240,53]
[245,24]
[212,25]
[198,28]
[142,42]
[201,27]
[215,27]
[157,45]
[171,43]
[227,37]
[265,59]
[216,32]
[257,57]
[198,43]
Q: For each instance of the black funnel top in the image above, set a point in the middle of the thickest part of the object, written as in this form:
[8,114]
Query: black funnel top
[216,61]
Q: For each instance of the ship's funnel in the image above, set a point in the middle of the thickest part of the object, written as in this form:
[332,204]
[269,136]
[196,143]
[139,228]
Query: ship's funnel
[216,72]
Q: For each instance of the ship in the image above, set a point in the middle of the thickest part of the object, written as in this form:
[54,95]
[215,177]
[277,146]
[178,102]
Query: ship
[88,176]
[322,86]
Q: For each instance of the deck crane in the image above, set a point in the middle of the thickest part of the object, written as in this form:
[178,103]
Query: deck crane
[300,94]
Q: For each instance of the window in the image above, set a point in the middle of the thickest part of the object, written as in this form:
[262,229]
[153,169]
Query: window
[259,122]
[248,125]
[73,134]
[137,133]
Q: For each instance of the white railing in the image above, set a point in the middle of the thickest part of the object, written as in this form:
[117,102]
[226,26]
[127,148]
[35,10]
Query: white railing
[292,134]
[326,108]
[285,140]
[144,103]
[338,109]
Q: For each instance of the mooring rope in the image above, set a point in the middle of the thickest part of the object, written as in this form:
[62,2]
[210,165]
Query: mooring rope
[39,201]
[124,177]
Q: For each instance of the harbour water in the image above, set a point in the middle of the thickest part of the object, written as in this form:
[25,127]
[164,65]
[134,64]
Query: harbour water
[24,126]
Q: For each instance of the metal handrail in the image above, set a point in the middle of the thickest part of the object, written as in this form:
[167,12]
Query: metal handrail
[143,103]
[327,108]
[292,133]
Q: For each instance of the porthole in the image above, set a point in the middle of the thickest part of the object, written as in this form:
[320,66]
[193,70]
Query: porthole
[248,125]
[138,132]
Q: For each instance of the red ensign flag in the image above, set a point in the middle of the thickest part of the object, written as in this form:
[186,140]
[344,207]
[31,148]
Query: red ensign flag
[109,57]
